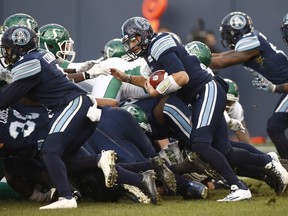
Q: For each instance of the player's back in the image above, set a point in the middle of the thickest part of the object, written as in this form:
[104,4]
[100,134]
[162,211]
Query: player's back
[23,130]
[272,63]
[53,88]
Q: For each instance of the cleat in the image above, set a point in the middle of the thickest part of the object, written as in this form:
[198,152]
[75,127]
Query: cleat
[149,186]
[52,193]
[77,196]
[276,176]
[196,190]
[274,156]
[164,174]
[107,164]
[193,163]
[236,194]
[274,183]
[135,194]
[62,203]
[279,170]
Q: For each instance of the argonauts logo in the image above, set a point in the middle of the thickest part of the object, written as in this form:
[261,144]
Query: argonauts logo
[238,21]
[21,36]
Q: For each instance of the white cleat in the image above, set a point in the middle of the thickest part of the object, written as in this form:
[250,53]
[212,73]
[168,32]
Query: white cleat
[61,203]
[236,194]
[107,164]
[274,156]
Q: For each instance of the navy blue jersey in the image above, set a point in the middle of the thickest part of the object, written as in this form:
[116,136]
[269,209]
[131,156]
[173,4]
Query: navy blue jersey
[22,131]
[160,55]
[272,63]
[38,77]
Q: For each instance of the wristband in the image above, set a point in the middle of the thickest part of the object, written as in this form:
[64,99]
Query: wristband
[167,86]
[86,75]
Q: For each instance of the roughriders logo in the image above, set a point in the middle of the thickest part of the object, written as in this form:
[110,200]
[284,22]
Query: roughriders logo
[4,116]
[21,36]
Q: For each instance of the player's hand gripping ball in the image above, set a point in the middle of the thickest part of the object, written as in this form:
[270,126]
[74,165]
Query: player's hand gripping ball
[157,77]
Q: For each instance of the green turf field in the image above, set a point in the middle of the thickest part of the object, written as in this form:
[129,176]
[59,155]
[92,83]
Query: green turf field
[264,202]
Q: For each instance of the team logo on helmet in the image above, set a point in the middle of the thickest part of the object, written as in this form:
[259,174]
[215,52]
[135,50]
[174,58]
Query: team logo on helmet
[21,36]
[237,21]
[142,23]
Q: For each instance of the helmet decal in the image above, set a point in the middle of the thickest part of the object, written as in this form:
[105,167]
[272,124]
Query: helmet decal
[237,21]
[21,36]
[142,23]
[201,50]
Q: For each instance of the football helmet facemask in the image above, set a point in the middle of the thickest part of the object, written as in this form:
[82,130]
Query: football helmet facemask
[233,27]
[114,48]
[201,50]
[133,27]
[139,114]
[284,29]
[16,42]
[232,95]
[56,39]
[22,20]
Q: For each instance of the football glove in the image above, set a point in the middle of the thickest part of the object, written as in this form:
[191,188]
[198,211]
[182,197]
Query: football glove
[233,124]
[96,71]
[5,75]
[86,66]
[236,125]
[260,82]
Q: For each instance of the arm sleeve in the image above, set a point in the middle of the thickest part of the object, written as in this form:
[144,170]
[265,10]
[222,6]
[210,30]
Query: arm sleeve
[11,93]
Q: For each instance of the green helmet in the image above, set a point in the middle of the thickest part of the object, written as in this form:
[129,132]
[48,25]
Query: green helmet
[201,50]
[140,115]
[114,48]
[232,94]
[56,39]
[22,20]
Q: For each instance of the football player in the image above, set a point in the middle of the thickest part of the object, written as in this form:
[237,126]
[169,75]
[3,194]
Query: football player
[56,39]
[68,102]
[252,49]
[264,84]
[204,54]
[235,110]
[32,124]
[193,85]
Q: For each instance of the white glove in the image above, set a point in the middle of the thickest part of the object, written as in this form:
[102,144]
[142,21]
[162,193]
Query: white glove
[96,71]
[236,125]
[86,66]
[5,75]
[260,82]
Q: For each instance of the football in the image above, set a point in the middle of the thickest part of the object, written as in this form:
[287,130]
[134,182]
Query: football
[157,77]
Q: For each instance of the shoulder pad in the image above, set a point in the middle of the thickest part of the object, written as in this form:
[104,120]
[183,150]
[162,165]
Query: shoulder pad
[248,42]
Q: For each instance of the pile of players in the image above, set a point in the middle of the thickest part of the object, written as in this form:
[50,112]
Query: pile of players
[67,129]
